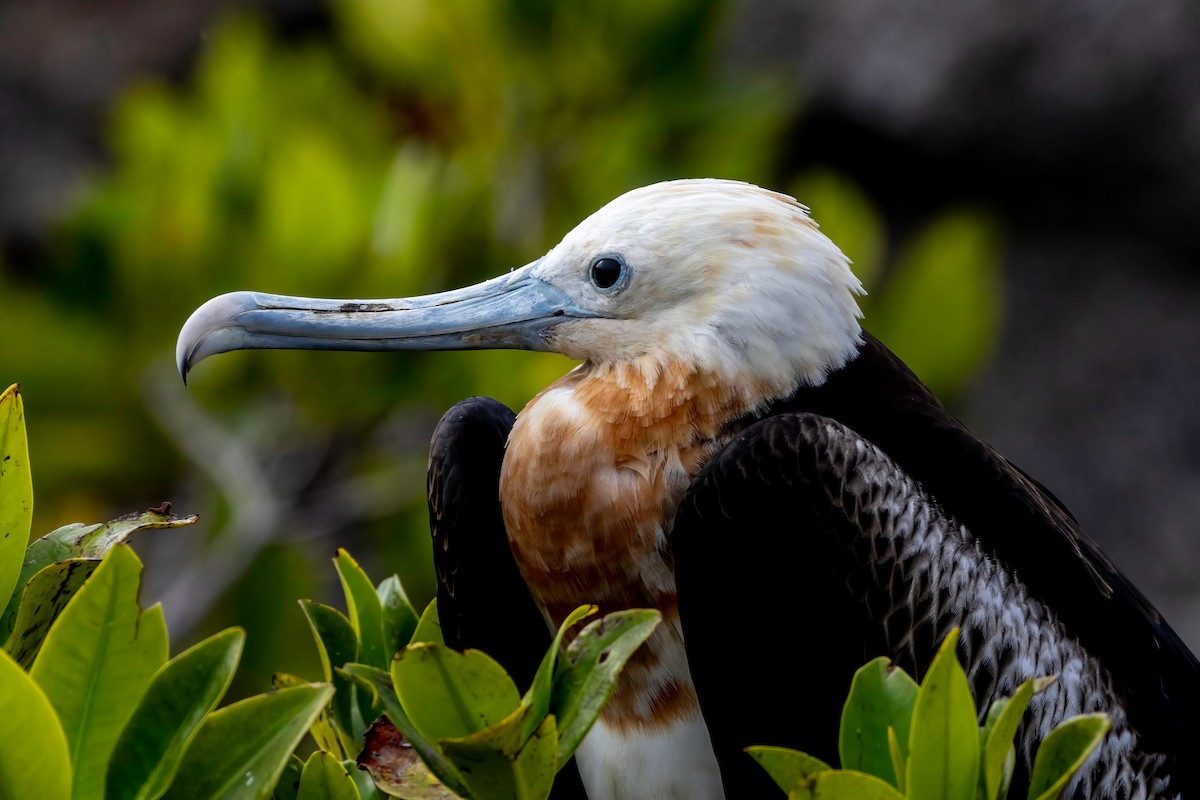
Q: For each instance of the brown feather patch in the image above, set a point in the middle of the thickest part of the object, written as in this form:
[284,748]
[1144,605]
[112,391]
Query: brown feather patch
[595,469]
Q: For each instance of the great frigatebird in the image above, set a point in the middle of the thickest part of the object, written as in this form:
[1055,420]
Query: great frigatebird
[736,451]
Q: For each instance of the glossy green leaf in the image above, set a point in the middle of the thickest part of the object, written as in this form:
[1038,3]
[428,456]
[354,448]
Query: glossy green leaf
[943,757]
[429,629]
[399,618]
[941,307]
[362,780]
[1001,725]
[152,630]
[96,663]
[899,760]
[180,694]
[541,689]
[1006,773]
[324,778]
[72,542]
[366,611]
[379,683]
[337,646]
[1063,752]
[241,750]
[588,672]
[787,767]
[881,696]
[494,763]
[44,598]
[505,737]
[322,729]
[34,761]
[537,763]
[448,694]
[288,787]
[845,784]
[16,490]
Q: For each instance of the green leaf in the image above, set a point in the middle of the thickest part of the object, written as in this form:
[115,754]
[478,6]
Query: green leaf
[44,598]
[337,646]
[95,541]
[152,629]
[366,611]
[321,730]
[1006,774]
[898,758]
[1063,752]
[845,784]
[324,778]
[96,663]
[941,308]
[786,767]
[495,763]
[1003,719]
[288,786]
[588,673]
[16,490]
[537,763]
[379,683]
[542,687]
[73,542]
[186,689]
[448,694]
[943,761]
[429,629]
[881,696]
[399,618]
[362,780]
[241,750]
[34,762]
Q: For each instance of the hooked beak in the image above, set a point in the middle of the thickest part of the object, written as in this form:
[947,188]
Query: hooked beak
[513,311]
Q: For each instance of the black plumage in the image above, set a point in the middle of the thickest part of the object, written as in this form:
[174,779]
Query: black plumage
[803,534]
[483,602]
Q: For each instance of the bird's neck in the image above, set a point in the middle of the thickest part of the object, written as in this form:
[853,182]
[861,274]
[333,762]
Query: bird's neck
[595,468]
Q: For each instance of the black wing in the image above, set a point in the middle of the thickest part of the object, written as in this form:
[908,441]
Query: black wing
[753,500]
[483,601]
[772,651]
[1026,529]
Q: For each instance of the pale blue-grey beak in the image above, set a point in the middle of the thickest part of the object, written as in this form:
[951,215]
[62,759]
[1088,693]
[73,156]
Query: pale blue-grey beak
[513,311]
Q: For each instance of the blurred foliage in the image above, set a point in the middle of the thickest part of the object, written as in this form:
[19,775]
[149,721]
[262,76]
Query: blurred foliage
[415,146]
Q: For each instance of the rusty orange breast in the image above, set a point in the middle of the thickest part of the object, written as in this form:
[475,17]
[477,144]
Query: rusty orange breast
[595,468]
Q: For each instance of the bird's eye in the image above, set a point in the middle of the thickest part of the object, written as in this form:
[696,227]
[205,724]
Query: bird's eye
[606,272]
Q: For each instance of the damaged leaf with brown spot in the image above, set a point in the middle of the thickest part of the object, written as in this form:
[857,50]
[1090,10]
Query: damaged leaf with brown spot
[43,600]
[587,675]
[73,542]
[395,766]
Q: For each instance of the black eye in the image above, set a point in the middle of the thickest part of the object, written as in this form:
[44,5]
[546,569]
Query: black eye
[606,272]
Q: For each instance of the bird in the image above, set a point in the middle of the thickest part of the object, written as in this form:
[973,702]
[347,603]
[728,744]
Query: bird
[736,450]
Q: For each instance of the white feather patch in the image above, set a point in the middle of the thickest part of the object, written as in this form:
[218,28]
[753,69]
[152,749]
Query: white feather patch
[675,763]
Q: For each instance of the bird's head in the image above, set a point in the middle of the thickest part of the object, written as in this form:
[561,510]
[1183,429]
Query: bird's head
[720,276]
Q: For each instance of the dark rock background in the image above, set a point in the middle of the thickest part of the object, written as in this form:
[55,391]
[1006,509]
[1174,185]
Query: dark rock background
[1078,121]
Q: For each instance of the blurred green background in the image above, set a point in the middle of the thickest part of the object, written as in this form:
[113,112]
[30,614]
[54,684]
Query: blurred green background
[399,147]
